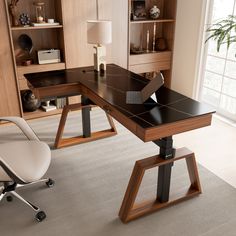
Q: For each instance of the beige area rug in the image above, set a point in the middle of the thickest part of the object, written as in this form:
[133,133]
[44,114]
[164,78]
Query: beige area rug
[90,183]
[215,148]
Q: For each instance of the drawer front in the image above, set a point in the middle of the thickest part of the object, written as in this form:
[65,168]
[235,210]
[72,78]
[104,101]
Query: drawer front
[150,58]
[149,67]
[51,92]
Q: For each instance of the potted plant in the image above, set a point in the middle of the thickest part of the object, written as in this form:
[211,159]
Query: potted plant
[223,31]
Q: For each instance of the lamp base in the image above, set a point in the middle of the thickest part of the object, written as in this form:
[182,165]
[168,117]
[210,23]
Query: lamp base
[100,58]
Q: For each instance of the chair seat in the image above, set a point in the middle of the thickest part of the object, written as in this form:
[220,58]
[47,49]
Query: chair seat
[28,160]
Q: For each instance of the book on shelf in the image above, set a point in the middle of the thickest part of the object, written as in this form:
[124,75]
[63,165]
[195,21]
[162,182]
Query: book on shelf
[60,102]
[45,24]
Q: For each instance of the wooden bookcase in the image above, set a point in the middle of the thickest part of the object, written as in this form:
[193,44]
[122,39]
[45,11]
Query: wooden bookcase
[154,60]
[70,38]
[43,38]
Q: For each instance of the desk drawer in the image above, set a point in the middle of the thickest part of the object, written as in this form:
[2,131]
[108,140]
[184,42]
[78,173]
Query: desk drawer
[150,67]
[150,58]
[51,92]
[150,62]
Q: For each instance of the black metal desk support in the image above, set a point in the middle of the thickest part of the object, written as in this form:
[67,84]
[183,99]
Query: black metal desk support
[164,173]
[86,123]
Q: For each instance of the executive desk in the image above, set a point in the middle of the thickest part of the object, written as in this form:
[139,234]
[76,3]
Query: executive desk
[173,113]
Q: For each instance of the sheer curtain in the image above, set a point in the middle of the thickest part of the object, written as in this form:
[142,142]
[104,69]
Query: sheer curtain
[218,87]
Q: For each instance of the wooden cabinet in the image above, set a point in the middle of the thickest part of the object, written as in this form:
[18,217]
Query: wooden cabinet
[43,37]
[9,101]
[70,36]
[146,54]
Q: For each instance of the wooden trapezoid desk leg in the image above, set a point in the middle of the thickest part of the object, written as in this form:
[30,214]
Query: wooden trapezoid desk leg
[130,211]
[88,136]
[61,126]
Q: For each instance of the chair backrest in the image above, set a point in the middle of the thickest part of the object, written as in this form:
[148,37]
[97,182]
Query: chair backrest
[23,125]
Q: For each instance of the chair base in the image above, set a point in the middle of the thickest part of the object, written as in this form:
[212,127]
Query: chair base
[9,190]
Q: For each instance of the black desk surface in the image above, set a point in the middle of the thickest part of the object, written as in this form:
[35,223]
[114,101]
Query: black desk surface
[112,86]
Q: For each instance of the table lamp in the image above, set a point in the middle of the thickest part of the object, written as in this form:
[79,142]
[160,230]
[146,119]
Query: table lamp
[99,32]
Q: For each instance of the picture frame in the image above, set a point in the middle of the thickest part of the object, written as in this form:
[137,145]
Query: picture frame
[138,10]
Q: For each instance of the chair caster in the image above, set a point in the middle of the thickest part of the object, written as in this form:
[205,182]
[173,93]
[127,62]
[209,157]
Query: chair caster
[9,198]
[50,183]
[40,216]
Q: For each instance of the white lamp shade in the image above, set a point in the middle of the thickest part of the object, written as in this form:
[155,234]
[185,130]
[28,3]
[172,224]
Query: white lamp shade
[99,32]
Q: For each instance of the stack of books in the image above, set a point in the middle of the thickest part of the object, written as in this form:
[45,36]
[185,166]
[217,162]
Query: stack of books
[60,102]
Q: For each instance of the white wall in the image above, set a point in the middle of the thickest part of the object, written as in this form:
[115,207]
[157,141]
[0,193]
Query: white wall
[188,41]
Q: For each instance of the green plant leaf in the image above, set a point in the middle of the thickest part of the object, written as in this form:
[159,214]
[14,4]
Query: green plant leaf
[221,32]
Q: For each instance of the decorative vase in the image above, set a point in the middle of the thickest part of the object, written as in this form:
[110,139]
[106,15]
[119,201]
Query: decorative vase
[29,101]
[154,12]
[161,44]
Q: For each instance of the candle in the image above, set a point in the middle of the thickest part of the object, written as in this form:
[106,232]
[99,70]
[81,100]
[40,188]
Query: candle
[154,29]
[154,37]
[51,21]
[40,19]
[148,35]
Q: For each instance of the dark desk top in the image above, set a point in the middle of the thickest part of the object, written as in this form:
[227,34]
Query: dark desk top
[171,107]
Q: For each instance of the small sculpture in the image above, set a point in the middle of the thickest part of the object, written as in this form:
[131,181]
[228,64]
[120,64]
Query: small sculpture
[138,10]
[24,19]
[13,12]
[161,44]
[154,12]
[25,43]
[29,101]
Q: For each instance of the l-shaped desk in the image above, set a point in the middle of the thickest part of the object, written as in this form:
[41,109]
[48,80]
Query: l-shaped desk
[155,121]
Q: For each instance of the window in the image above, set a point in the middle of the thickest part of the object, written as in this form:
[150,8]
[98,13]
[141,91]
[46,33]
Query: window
[218,87]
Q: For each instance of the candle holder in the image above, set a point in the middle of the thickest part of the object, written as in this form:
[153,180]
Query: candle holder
[40,12]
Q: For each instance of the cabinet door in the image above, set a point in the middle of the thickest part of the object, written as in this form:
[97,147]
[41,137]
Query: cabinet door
[75,16]
[9,100]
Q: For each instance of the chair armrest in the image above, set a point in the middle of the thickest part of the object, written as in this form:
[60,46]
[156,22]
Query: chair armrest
[23,125]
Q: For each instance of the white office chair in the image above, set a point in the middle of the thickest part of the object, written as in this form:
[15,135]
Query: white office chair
[23,163]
